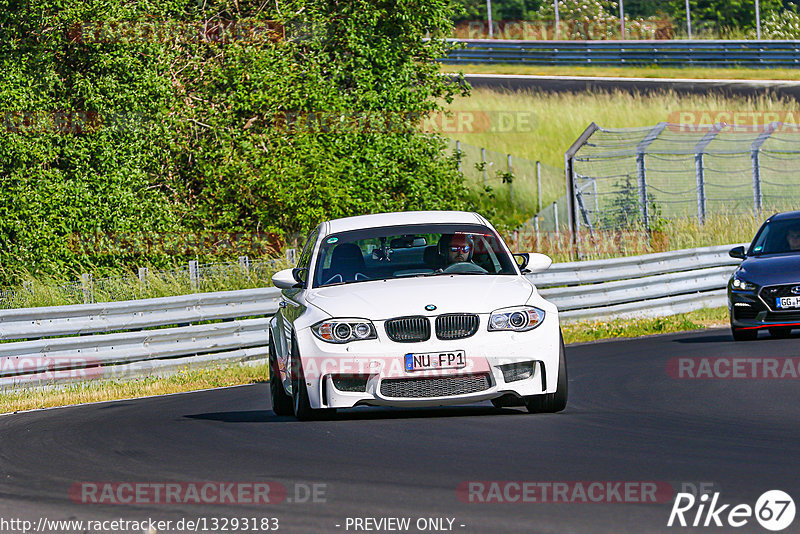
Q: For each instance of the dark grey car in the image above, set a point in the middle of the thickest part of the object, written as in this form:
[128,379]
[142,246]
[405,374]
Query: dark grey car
[764,292]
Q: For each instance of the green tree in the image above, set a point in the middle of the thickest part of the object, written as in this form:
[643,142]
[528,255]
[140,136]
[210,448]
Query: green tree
[178,130]
[722,14]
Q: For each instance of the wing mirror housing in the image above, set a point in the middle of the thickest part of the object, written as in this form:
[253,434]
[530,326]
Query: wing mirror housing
[533,262]
[737,252]
[287,279]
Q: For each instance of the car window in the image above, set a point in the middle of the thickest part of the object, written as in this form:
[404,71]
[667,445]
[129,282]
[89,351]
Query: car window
[778,237]
[304,261]
[412,250]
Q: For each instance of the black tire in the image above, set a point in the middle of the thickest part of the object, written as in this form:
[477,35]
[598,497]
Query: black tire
[780,332]
[552,402]
[301,406]
[740,334]
[281,401]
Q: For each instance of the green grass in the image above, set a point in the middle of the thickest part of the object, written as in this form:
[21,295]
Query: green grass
[630,72]
[555,120]
[185,380]
[675,234]
[109,286]
[581,332]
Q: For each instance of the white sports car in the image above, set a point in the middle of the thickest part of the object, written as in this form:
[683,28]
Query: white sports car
[413,309]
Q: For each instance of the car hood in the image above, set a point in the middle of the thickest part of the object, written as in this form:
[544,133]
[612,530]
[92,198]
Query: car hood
[772,269]
[384,299]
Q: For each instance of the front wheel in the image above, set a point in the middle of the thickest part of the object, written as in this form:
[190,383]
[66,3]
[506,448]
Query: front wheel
[300,403]
[281,402]
[552,402]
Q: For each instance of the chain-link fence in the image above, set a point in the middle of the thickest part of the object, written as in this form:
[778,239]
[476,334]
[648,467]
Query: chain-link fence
[518,185]
[637,176]
[148,283]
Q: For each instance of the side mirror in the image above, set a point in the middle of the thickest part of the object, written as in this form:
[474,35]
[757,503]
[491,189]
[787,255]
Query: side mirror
[300,274]
[538,263]
[522,260]
[737,252]
[284,279]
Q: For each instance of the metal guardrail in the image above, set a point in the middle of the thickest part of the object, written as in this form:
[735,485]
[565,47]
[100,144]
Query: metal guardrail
[650,285]
[667,53]
[136,338]
[133,338]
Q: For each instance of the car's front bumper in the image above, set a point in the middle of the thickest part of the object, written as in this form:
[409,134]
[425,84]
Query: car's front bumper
[380,363]
[749,311]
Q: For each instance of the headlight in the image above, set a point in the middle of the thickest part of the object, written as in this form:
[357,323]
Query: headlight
[520,319]
[739,284]
[344,330]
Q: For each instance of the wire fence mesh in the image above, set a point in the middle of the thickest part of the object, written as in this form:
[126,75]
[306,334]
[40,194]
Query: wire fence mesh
[519,185]
[148,283]
[639,176]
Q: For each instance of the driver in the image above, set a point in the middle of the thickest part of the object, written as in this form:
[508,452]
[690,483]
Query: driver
[460,249]
[793,237]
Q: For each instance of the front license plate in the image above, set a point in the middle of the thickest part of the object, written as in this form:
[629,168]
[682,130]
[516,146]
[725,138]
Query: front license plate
[454,359]
[788,302]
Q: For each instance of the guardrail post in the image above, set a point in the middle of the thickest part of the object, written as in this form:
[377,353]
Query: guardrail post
[86,286]
[143,274]
[244,263]
[755,158]
[194,274]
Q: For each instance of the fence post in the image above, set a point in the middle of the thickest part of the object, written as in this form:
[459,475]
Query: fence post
[641,170]
[539,185]
[483,165]
[555,219]
[701,187]
[569,174]
[458,155]
[244,263]
[755,158]
[510,180]
[143,274]
[699,171]
[194,274]
[536,228]
[86,286]
[290,256]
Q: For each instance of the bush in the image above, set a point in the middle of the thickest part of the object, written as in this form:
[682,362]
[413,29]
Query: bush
[114,131]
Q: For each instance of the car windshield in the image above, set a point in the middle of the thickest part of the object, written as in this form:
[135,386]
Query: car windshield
[778,237]
[412,250]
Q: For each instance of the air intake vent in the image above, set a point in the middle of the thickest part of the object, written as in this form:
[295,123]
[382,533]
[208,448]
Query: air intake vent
[741,313]
[456,325]
[408,329]
[351,383]
[434,387]
[517,371]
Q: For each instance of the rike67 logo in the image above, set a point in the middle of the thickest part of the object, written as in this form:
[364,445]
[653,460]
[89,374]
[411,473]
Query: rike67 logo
[774,510]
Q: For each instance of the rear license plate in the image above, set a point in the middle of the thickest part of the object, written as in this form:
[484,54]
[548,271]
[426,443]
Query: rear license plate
[454,359]
[788,302]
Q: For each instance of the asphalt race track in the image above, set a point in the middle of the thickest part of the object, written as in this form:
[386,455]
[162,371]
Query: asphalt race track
[628,420]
